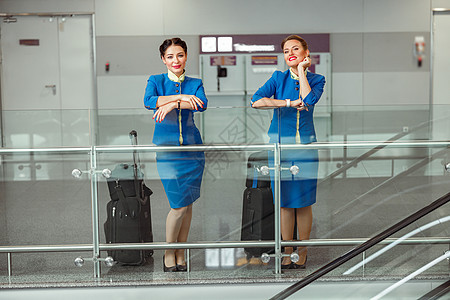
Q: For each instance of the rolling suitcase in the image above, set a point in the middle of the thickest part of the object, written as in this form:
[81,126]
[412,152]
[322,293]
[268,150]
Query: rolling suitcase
[258,210]
[129,211]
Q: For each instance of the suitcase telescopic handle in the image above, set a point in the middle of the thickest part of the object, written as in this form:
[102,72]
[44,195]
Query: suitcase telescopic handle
[133,133]
[136,162]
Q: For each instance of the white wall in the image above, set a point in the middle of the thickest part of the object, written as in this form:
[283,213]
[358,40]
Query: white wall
[360,31]
[135,17]
[187,17]
[192,17]
[366,18]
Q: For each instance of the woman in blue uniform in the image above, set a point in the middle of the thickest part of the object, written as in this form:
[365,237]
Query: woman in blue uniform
[175,97]
[294,92]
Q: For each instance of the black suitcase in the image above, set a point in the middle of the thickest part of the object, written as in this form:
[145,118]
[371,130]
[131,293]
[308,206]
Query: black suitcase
[129,211]
[258,210]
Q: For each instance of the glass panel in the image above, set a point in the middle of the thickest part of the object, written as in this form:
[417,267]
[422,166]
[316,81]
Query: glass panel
[371,196]
[42,204]
[228,125]
[375,123]
[363,187]
[217,213]
[346,189]
[47,128]
[114,126]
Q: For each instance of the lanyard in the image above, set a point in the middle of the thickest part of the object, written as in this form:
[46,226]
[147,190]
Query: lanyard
[179,123]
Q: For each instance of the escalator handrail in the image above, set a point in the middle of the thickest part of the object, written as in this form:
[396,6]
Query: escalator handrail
[438,292]
[361,248]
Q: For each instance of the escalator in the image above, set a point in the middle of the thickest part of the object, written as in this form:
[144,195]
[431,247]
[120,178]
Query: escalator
[444,290]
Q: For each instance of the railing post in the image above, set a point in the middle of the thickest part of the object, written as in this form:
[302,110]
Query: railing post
[9,267]
[277,194]
[188,259]
[95,231]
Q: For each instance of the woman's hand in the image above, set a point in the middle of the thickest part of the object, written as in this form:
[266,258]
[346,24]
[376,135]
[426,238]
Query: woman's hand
[299,104]
[162,111]
[305,63]
[192,100]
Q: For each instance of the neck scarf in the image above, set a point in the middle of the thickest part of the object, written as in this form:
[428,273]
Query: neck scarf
[293,75]
[175,78]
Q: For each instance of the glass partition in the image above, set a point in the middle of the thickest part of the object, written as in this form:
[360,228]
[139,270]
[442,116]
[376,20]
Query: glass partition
[48,128]
[360,202]
[246,125]
[46,210]
[369,168]
[114,126]
[216,214]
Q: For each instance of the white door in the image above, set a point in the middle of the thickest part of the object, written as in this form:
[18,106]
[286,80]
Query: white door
[441,76]
[47,65]
[47,85]
[30,68]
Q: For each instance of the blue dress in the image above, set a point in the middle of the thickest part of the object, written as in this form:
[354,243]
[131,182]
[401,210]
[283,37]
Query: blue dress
[288,127]
[181,172]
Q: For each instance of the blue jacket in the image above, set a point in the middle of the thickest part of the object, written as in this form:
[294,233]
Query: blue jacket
[282,86]
[168,131]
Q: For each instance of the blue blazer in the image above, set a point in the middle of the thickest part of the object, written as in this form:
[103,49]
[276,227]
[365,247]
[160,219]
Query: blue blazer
[168,131]
[284,121]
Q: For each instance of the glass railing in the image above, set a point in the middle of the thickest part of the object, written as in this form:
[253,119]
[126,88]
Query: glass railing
[45,215]
[364,185]
[228,125]
[48,128]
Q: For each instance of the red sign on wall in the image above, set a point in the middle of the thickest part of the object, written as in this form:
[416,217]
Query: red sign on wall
[264,60]
[29,42]
[223,60]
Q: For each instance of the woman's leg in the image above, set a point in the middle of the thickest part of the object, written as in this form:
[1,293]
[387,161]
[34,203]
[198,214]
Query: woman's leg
[287,230]
[183,235]
[304,224]
[173,225]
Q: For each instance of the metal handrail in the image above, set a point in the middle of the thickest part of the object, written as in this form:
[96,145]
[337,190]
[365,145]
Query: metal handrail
[218,147]
[418,143]
[215,244]
[363,247]
[44,150]
[203,147]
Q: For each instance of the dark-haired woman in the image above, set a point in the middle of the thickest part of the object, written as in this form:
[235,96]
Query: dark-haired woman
[175,97]
[294,92]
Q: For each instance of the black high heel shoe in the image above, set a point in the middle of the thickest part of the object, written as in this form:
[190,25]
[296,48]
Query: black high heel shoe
[181,268]
[285,267]
[297,266]
[168,269]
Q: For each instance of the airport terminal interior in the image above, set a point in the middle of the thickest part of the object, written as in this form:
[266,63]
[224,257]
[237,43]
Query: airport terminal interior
[73,77]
